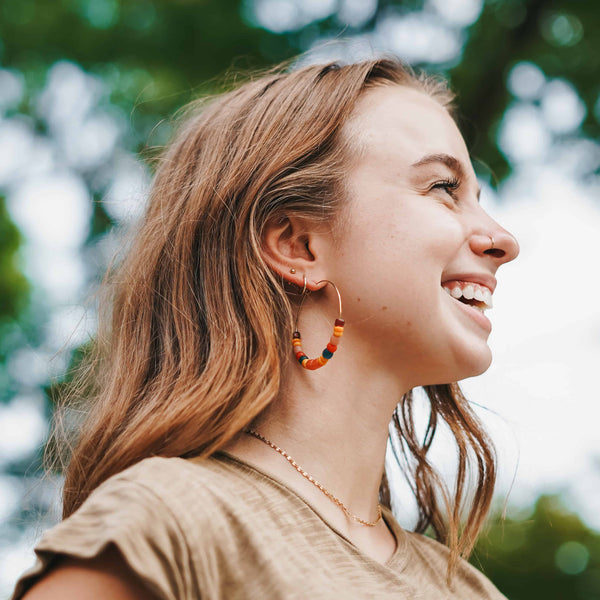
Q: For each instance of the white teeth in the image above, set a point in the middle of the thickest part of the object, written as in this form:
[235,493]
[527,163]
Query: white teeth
[472,291]
[487,298]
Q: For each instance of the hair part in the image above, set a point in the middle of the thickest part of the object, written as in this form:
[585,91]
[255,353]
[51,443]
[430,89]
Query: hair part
[192,322]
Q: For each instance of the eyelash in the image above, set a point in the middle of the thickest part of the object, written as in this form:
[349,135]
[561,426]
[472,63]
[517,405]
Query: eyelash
[450,185]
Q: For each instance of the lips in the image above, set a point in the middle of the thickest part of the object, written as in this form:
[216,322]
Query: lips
[472,296]
[483,279]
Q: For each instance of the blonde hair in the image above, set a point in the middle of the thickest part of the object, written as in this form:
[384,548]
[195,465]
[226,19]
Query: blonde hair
[193,327]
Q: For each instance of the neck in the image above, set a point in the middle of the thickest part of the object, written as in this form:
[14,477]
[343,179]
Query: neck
[334,422]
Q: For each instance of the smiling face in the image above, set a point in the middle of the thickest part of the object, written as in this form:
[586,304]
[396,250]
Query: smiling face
[412,226]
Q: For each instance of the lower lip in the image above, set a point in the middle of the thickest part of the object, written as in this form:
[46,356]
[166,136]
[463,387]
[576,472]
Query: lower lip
[475,314]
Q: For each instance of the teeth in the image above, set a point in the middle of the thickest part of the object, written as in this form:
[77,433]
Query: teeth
[487,298]
[469,292]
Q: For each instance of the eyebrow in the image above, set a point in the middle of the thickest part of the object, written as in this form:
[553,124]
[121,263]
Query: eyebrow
[450,161]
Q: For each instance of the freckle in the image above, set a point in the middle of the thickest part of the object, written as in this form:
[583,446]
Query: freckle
[384,308]
[358,299]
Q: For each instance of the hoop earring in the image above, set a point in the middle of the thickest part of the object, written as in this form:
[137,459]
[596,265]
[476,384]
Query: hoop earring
[338,330]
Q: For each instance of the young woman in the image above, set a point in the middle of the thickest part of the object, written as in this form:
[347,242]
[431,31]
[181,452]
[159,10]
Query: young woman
[225,456]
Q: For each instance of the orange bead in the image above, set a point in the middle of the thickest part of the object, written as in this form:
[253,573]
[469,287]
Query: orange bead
[331,347]
[322,360]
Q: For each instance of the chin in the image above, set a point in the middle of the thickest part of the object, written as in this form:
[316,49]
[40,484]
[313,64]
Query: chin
[469,365]
[471,357]
[478,364]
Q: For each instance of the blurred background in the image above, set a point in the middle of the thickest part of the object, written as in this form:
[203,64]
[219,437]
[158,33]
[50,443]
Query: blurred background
[87,93]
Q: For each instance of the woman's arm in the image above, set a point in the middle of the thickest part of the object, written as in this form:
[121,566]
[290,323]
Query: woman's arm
[104,576]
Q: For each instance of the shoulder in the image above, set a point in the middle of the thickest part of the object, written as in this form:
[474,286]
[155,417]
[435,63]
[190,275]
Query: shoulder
[146,514]
[173,486]
[103,576]
[195,489]
[161,472]
[432,557]
[175,476]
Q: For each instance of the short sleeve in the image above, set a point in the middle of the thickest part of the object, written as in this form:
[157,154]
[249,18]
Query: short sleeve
[137,521]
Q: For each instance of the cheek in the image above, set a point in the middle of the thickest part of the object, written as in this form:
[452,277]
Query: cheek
[403,249]
[387,281]
[394,253]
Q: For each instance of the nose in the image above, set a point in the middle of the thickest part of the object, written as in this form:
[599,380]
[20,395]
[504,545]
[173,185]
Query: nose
[496,242]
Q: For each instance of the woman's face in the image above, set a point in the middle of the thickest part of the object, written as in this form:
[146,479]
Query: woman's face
[407,233]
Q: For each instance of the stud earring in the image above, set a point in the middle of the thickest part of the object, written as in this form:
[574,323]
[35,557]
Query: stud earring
[292,270]
[338,330]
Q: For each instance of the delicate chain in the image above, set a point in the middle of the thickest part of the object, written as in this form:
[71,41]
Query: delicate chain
[314,481]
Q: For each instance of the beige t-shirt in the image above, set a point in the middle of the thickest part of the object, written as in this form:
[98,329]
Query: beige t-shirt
[220,528]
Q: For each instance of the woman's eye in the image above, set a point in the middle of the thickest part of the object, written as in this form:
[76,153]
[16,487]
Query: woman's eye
[450,185]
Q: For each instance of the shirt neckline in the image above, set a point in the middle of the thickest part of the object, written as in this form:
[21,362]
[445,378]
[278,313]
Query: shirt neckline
[396,562]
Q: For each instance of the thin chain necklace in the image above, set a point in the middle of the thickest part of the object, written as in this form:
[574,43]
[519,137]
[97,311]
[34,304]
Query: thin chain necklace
[315,482]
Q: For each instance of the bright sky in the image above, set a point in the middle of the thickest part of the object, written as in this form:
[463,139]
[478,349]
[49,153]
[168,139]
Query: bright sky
[546,341]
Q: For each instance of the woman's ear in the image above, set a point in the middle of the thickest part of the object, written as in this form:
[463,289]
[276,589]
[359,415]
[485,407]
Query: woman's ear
[289,243]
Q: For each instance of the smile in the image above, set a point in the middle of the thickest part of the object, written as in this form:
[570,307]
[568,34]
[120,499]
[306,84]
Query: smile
[472,294]
[466,294]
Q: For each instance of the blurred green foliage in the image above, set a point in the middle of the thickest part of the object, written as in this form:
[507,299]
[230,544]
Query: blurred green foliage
[14,296]
[14,286]
[153,56]
[551,554]
[561,38]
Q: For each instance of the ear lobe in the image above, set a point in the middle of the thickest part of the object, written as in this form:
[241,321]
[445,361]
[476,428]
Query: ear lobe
[286,245]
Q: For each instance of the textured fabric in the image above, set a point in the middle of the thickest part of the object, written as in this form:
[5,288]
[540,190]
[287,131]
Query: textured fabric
[219,528]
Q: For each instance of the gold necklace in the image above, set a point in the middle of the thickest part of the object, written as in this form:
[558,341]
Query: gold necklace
[314,481]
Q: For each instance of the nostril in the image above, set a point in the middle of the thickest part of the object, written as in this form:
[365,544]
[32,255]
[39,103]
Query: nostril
[495,252]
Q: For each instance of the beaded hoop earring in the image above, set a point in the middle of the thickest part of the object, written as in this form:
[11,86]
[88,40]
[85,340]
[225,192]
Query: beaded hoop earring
[338,330]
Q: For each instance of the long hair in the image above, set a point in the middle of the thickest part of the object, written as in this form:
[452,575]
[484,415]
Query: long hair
[193,324]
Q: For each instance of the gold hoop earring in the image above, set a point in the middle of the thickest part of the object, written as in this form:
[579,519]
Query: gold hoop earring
[338,330]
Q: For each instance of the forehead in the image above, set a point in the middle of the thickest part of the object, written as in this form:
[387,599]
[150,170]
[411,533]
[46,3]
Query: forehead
[400,125]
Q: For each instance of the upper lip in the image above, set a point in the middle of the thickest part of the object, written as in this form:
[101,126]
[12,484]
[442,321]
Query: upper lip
[484,279]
